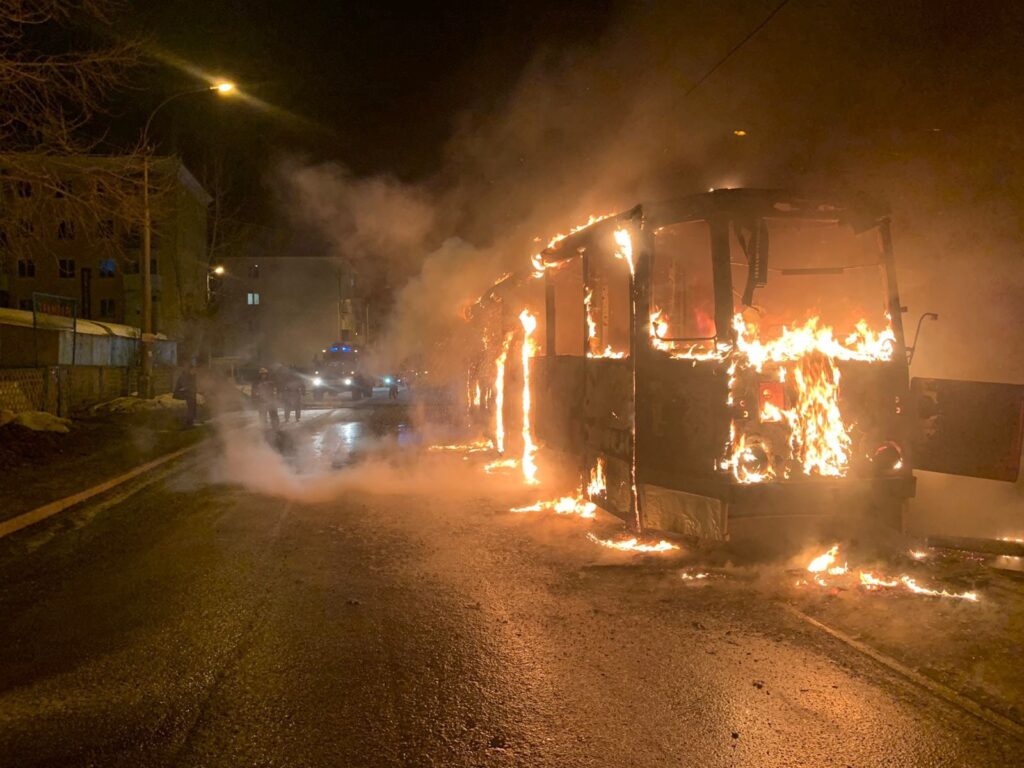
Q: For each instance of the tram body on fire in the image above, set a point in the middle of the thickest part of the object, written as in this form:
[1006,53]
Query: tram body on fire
[729,358]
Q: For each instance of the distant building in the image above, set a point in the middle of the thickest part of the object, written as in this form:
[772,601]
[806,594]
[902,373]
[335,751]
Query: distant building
[72,226]
[285,309]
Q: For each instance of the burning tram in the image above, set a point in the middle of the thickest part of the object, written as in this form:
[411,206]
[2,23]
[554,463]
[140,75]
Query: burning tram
[713,363]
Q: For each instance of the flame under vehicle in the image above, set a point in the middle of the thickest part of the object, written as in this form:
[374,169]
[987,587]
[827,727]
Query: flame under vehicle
[728,359]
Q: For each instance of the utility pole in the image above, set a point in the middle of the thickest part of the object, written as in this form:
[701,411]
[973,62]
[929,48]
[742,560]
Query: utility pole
[146,379]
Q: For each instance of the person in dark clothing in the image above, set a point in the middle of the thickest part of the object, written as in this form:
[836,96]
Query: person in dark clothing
[186,389]
[264,393]
[294,389]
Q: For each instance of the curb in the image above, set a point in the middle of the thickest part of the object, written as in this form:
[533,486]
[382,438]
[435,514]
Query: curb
[7,527]
[960,700]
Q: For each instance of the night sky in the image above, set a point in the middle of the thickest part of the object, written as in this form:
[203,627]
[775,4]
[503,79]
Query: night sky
[377,86]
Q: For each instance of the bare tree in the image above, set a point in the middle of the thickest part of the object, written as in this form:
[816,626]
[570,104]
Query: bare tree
[50,91]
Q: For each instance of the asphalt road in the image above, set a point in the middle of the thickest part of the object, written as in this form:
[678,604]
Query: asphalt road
[198,623]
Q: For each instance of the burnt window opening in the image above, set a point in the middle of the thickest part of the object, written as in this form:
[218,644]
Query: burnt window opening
[26,268]
[682,282]
[108,268]
[66,230]
[65,267]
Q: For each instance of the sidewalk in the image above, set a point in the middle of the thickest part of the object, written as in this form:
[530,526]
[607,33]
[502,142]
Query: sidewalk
[37,468]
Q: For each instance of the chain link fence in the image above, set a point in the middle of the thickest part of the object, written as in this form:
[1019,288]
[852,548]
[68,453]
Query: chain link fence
[66,390]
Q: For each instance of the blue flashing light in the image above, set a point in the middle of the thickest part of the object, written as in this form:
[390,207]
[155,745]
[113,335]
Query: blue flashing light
[334,349]
[346,349]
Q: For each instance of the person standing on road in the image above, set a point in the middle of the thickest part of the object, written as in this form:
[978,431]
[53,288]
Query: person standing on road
[186,389]
[294,389]
[264,392]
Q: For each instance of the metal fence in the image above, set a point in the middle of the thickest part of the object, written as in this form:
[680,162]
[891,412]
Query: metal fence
[65,390]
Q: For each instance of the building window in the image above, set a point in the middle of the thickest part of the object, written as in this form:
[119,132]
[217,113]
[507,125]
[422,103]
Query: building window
[131,267]
[252,299]
[26,228]
[26,268]
[25,304]
[107,308]
[153,266]
[62,189]
[254,271]
[133,238]
[66,267]
[105,229]
[108,267]
[24,188]
[66,230]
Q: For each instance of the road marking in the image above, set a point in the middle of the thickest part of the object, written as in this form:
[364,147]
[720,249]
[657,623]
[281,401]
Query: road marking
[26,519]
[943,692]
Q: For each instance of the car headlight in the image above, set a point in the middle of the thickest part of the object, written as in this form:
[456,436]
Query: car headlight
[387,379]
[348,382]
[317,381]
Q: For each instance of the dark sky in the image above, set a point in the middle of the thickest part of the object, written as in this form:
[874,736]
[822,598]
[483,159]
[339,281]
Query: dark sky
[376,86]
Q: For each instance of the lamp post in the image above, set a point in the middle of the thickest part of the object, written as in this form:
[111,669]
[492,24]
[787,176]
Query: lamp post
[146,383]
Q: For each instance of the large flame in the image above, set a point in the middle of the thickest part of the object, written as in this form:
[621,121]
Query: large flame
[529,464]
[499,394]
[806,358]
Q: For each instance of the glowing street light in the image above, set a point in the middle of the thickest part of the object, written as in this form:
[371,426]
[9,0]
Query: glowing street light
[218,270]
[224,88]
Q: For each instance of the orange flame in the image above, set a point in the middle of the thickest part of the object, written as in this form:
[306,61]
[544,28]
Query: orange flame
[633,544]
[499,394]
[541,265]
[598,484]
[625,248]
[567,505]
[529,462]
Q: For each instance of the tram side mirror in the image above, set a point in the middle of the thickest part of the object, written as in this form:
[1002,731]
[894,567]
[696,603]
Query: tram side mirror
[754,240]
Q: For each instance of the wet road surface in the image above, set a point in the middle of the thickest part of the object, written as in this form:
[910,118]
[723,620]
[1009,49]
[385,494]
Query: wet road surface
[203,624]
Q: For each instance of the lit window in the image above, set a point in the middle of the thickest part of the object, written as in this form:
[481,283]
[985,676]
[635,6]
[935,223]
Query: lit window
[252,299]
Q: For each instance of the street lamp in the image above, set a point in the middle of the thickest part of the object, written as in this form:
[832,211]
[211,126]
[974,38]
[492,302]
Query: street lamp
[223,88]
[213,272]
